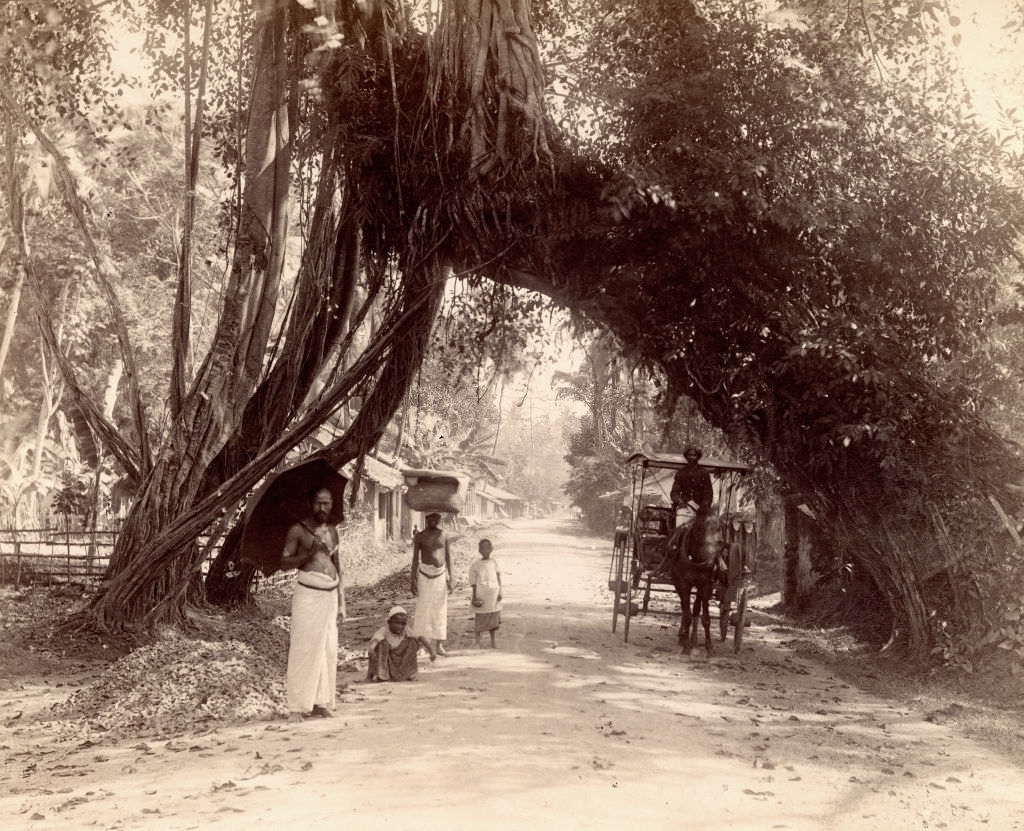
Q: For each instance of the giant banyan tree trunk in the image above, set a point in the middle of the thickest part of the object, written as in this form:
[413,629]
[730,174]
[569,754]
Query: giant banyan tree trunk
[490,51]
[317,326]
[134,590]
[171,560]
[484,54]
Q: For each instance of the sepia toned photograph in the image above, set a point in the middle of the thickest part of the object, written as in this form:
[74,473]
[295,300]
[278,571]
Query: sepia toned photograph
[443,415]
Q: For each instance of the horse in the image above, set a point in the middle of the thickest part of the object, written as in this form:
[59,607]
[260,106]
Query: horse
[694,566]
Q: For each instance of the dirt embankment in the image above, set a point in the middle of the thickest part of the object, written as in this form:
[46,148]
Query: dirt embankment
[228,668]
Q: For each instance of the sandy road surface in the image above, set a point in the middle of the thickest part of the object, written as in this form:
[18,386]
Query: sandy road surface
[564,726]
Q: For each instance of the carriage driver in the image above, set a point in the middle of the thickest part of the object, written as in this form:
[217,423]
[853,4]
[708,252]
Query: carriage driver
[692,493]
[692,496]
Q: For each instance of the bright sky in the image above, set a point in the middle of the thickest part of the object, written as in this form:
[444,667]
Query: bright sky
[992,62]
[995,67]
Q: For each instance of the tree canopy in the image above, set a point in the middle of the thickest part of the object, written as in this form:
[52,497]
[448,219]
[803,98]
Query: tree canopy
[784,216]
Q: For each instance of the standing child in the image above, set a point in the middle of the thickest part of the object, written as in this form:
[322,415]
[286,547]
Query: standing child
[485,578]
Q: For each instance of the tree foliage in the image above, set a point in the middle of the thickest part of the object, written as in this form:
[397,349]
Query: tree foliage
[811,251]
[619,419]
[784,218]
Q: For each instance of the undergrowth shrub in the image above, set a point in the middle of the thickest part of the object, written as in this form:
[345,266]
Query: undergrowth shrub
[980,624]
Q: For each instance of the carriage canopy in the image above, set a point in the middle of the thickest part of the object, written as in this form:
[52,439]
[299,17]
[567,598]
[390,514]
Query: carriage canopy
[653,474]
[675,461]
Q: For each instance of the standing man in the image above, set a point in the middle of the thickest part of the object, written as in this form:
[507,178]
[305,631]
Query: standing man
[312,548]
[431,561]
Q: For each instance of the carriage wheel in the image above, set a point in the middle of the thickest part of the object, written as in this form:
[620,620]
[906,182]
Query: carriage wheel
[615,605]
[619,560]
[626,612]
[741,613]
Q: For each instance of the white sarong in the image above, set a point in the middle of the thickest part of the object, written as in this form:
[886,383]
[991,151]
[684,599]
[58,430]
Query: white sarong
[431,616]
[313,647]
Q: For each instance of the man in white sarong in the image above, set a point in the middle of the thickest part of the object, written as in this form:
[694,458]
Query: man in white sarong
[312,548]
[431,583]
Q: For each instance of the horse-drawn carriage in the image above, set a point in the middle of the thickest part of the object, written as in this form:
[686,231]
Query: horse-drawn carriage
[649,546]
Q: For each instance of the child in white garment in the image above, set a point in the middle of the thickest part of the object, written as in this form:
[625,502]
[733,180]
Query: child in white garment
[485,578]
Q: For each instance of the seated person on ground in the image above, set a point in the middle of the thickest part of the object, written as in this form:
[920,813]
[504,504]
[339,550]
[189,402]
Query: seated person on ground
[393,653]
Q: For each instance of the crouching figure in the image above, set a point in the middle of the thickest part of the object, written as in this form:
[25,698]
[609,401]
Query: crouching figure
[392,653]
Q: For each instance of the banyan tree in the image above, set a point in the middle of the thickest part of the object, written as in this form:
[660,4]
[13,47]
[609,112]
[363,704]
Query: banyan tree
[422,137]
[730,197]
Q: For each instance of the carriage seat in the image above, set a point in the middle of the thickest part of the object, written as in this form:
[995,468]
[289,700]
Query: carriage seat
[655,519]
[654,526]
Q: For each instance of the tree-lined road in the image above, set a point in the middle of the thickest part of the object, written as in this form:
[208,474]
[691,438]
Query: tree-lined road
[564,726]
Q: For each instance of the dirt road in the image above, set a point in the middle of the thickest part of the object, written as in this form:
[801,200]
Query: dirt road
[564,726]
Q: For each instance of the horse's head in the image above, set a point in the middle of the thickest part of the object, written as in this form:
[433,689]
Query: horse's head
[704,550]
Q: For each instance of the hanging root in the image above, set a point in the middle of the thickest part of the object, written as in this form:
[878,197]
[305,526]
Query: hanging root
[504,82]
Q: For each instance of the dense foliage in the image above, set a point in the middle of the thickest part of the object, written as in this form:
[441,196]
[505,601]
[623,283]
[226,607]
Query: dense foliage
[830,242]
[790,221]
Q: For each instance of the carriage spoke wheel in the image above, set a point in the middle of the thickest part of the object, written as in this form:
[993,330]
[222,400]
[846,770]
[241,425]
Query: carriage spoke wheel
[724,608]
[741,614]
[619,558]
[628,600]
[627,608]
[615,606]
[734,570]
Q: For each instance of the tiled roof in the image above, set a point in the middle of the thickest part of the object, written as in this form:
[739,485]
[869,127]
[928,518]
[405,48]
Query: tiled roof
[384,475]
[495,493]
